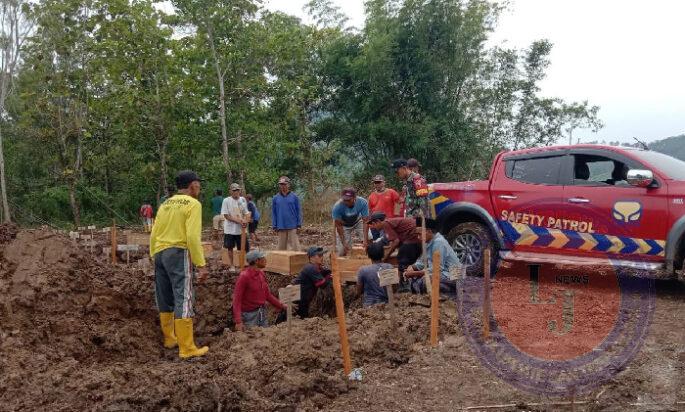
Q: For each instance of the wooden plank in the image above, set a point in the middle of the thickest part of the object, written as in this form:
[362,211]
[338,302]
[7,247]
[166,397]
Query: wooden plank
[207,248]
[349,267]
[357,252]
[142,239]
[285,262]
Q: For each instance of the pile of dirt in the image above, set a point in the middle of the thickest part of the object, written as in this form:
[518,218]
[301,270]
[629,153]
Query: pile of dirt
[8,231]
[78,333]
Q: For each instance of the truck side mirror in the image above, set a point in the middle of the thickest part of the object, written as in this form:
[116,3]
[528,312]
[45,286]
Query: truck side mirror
[640,178]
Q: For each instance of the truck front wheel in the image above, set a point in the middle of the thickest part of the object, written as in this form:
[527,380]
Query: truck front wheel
[469,241]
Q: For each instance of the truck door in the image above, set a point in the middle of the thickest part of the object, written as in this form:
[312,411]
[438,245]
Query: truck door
[526,192]
[603,216]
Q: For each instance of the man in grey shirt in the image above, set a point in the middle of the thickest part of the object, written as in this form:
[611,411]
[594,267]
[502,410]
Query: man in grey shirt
[368,281]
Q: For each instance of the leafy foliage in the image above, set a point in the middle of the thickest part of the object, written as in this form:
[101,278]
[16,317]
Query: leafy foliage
[116,96]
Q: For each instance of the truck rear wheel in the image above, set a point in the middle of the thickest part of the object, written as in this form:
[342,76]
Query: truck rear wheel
[469,241]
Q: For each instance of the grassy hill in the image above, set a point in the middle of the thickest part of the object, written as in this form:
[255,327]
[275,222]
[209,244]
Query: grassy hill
[673,146]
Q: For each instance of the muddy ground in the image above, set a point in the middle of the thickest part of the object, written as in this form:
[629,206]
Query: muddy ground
[77,333]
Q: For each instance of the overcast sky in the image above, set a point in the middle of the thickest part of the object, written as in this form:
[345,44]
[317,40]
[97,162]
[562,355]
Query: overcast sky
[626,56]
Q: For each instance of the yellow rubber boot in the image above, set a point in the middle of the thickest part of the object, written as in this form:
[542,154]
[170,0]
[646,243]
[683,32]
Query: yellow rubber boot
[186,342]
[166,320]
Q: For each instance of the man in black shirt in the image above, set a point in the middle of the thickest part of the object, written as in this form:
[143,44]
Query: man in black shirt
[313,276]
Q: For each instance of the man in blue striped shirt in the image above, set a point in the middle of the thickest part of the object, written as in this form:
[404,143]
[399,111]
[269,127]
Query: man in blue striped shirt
[286,216]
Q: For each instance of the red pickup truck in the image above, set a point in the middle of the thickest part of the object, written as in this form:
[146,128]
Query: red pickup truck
[577,205]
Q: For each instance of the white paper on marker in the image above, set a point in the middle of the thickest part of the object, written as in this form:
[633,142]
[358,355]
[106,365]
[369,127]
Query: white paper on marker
[289,294]
[388,277]
[457,272]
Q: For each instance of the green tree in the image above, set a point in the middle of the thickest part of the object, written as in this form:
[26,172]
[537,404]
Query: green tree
[225,35]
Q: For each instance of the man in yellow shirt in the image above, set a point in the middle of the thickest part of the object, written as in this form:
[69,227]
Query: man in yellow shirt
[175,242]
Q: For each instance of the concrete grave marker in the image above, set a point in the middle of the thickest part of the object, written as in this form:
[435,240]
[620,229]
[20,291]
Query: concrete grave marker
[128,249]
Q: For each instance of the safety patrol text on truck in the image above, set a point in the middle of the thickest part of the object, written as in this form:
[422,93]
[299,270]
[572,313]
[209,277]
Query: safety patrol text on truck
[577,205]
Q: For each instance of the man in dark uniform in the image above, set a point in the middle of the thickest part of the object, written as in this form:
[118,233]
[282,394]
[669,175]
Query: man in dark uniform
[416,197]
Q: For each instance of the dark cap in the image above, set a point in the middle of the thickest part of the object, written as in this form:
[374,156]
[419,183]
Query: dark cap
[185,178]
[413,163]
[399,163]
[348,193]
[315,250]
[376,216]
[379,178]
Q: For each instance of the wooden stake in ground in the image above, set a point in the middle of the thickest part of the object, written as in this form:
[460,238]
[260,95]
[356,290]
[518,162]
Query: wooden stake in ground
[435,299]
[92,237]
[89,242]
[287,296]
[486,294]
[335,241]
[241,255]
[114,241]
[426,276]
[340,312]
[387,278]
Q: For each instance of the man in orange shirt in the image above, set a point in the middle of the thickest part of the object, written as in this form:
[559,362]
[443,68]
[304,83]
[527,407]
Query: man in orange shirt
[383,199]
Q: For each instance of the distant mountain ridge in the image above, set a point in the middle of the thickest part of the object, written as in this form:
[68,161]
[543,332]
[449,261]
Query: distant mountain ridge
[672,146]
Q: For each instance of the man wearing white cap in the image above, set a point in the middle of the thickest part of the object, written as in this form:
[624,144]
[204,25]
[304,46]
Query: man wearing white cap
[236,217]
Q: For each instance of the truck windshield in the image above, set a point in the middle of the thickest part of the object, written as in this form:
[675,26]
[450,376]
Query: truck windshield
[670,166]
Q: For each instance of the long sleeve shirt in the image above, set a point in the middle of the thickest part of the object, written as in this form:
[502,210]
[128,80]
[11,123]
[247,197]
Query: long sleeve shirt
[448,258]
[251,292]
[179,224]
[285,211]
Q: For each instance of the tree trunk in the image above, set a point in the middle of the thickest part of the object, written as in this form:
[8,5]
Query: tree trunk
[161,147]
[75,210]
[241,173]
[6,216]
[162,139]
[222,104]
[307,149]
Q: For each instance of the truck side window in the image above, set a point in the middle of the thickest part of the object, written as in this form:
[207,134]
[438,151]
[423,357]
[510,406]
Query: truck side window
[592,170]
[540,170]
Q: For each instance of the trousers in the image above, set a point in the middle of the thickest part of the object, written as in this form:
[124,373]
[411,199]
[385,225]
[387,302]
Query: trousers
[174,282]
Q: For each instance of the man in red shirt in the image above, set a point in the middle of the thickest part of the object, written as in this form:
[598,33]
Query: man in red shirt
[251,294]
[383,199]
[400,233]
[146,213]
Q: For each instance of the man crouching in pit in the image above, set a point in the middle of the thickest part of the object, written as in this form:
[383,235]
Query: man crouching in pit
[251,294]
[175,241]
